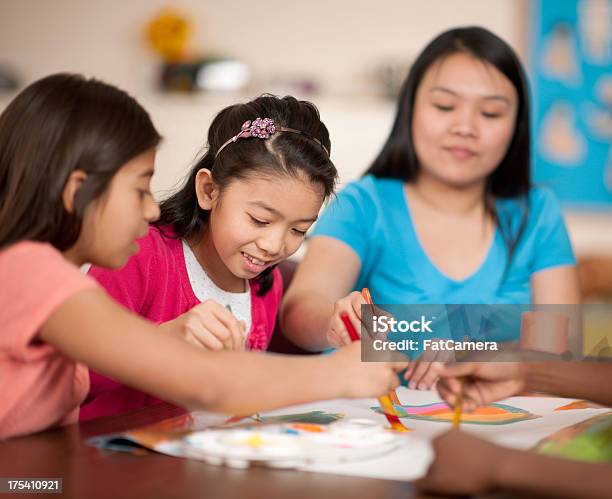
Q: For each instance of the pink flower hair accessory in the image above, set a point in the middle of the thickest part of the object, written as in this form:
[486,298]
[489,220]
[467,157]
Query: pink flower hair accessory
[263,128]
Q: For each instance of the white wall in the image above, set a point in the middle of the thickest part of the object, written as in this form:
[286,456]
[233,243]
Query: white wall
[336,40]
[339,42]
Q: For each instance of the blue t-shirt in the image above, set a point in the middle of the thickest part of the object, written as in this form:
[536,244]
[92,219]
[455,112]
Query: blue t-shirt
[372,216]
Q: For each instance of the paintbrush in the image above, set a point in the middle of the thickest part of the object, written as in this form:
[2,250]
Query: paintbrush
[384,400]
[458,405]
[365,292]
[256,416]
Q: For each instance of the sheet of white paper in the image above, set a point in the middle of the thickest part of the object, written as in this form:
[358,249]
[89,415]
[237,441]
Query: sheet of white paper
[411,461]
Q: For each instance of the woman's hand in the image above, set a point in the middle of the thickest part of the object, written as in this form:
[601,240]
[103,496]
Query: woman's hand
[337,334]
[209,325]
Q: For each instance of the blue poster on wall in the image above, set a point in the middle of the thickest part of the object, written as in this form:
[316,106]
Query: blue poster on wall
[571,70]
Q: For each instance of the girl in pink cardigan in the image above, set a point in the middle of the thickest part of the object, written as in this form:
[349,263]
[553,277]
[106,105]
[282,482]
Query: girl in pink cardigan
[207,268]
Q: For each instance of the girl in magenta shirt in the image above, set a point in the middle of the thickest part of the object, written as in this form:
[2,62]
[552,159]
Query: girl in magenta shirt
[246,206]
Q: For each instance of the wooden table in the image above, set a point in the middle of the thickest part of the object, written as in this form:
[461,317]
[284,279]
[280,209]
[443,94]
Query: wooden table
[89,473]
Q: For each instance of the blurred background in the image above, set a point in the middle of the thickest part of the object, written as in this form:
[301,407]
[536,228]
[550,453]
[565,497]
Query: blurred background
[186,60]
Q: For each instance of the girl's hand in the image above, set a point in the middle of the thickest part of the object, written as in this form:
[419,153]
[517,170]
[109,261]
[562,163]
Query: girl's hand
[211,326]
[424,372]
[363,379]
[484,382]
[337,335]
[463,464]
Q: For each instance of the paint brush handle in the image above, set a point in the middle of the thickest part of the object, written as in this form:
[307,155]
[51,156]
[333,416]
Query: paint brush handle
[385,401]
[245,333]
[458,406]
[365,292]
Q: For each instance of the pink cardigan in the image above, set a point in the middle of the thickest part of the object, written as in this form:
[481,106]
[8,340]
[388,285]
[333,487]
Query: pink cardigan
[155,284]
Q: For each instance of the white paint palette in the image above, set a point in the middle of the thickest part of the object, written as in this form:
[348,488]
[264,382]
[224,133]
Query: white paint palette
[291,445]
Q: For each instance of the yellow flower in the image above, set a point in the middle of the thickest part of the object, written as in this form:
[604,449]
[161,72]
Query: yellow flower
[167,34]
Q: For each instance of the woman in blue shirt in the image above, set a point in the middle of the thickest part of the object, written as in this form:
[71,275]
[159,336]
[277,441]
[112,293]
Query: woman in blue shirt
[447,212]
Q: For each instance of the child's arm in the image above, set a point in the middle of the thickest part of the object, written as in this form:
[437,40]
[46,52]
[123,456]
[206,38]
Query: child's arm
[542,475]
[486,382]
[464,464]
[91,328]
[584,380]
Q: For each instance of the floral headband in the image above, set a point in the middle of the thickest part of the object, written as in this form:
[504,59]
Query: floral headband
[264,128]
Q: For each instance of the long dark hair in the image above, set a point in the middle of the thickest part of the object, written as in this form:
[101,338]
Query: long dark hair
[291,154]
[55,126]
[512,178]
